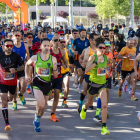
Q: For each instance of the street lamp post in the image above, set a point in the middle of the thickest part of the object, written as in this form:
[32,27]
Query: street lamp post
[132,13]
[80,11]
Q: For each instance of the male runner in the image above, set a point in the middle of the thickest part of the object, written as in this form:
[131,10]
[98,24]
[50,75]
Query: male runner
[78,46]
[65,74]
[22,49]
[128,54]
[57,82]
[45,65]
[10,63]
[87,53]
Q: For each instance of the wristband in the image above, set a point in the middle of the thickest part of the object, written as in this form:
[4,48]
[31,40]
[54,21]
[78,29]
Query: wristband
[55,70]
[96,63]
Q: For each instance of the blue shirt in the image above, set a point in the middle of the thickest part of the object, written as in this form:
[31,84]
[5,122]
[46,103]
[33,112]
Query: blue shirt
[131,33]
[69,47]
[50,36]
[36,39]
[1,50]
[79,27]
[81,45]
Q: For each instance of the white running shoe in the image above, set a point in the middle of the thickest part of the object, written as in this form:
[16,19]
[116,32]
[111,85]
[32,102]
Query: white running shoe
[79,90]
[75,85]
[130,91]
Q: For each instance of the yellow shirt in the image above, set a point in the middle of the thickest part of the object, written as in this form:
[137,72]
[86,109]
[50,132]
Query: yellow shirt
[91,53]
[63,71]
[128,63]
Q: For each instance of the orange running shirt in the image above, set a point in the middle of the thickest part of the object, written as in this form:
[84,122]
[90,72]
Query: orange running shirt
[128,63]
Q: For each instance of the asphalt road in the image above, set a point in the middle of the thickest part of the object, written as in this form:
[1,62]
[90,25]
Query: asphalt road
[123,123]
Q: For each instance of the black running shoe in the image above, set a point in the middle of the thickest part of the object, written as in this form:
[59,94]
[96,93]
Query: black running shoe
[91,107]
[97,118]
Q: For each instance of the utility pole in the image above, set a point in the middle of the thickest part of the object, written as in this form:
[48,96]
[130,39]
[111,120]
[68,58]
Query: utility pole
[71,13]
[6,15]
[37,16]
[56,4]
[80,12]
[132,13]
[52,13]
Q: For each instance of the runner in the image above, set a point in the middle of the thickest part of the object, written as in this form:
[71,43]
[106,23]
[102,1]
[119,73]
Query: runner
[30,43]
[128,54]
[22,49]
[65,75]
[78,46]
[10,63]
[97,82]
[57,82]
[45,64]
[88,52]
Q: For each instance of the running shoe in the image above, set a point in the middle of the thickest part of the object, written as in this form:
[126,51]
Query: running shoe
[64,104]
[97,118]
[83,113]
[75,85]
[7,128]
[125,87]
[29,91]
[91,107]
[78,109]
[133,98]
[14,107]
[61,95]
[54,119]
[36,121]
[104,131]
[37,129]
[115,83]
[119,93]
[79,90]
[22,100]
[130,91]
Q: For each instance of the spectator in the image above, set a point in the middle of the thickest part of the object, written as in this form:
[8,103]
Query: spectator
[106,28]
[120,29]
[49,34]
[138,34]
[131,32]
[93,27]
[116,30]
[121,43]
[80,27]
[99,27]
[112,26]
[123,29]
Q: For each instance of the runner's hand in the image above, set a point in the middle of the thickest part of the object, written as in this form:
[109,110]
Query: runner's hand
[64,66]
[136,74]
[100,59]
[12,70]
[54,66]
[80,61]
[76,52]
[129,55]
[28,79]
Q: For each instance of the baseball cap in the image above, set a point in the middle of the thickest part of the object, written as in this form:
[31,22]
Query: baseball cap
[131,26]
[25,29]
[112,23]
[9,34]
[107,43]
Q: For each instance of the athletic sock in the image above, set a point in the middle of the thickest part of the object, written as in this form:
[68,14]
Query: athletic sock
[85,110]
[82,97]
[52,114]
[132,94]
[28,86]
[103,125]
[98,109]
[113,79]
[5,115]
[64,99]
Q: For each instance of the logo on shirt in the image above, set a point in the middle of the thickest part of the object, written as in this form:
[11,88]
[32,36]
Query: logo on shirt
[48,64]
[7,61]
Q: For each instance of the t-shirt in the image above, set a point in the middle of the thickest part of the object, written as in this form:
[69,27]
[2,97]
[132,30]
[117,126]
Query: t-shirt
[9,61]
[128,63]
[36,40]
[50,36]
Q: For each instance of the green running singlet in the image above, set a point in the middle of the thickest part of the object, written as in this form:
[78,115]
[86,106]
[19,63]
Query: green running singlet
[98,73]
[44,68]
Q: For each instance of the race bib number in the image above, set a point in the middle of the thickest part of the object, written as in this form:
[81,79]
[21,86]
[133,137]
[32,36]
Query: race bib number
[44,72]
[101,71]
[132,58]
[9,76]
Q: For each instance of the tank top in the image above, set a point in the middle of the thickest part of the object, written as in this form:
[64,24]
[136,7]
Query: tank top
[44,69]
[91,53]
[59,62]
[109,64]
[98,73]
[63,71]
[21,51]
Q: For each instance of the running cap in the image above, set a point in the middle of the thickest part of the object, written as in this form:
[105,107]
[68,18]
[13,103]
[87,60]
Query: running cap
[112,23]
[107,43]
[25,29]
[131,26]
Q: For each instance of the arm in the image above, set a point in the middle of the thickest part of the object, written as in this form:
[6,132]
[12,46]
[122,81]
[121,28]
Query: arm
[27,51]
[81,57]
[32,60]
[122,57]
[55,70]
[86,57]
[136,65]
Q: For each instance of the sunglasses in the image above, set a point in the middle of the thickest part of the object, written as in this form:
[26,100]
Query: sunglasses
[100,47]
[62,42]
[17,35]
[61,34]
[55,40]
[30,37]
[75,33]
[9,46]
[106,36]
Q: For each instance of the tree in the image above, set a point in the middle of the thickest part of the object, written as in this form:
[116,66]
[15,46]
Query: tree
[92,15]
[63,14]
[3,7]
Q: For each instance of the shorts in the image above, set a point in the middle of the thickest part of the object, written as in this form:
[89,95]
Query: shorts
[6,88]
[43,86]
[20,74]
[57,83]
[77,64]
[108,82]
[65,74]
[94,89]
[125,73]
[71,60]
[86,77]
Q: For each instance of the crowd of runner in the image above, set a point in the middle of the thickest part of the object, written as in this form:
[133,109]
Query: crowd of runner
[41,61]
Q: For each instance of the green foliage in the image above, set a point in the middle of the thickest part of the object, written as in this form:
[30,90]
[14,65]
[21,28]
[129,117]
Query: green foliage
[3,7]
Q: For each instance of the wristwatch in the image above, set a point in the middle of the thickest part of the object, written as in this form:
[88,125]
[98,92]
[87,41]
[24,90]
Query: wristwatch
[96,63]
